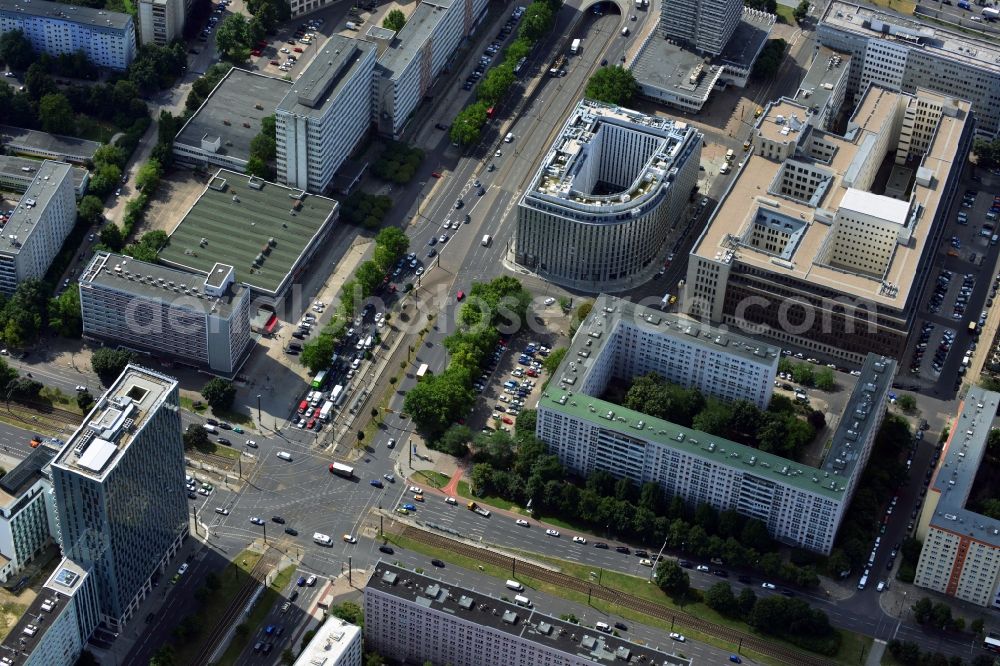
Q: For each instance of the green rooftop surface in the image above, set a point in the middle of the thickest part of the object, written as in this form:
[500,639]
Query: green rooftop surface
[237,223]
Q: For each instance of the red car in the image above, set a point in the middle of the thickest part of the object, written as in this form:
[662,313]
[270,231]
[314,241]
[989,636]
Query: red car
[531,372]
[255,53]
[312,422]
[316,412]
[297,49]
[303,406]
[507,420]
[436,174]
[275,63]
[460,295]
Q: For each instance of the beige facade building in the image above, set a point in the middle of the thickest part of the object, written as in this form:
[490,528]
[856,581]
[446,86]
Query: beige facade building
[825,241]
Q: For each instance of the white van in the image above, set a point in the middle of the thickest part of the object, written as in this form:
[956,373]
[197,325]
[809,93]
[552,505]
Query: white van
[211,428]
[625,31]
[322,539]
[486,240]
[514,585]
[603,626]
[508,138]
[522,601]
[285,455]
[863,583]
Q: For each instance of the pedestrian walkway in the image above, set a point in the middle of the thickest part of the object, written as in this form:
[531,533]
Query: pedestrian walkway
[452,488]
[875,655]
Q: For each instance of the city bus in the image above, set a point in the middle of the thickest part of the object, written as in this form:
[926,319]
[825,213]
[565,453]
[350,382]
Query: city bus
[992,643]
[318,380]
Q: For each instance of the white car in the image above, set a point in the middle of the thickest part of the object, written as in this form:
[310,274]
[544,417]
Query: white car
[646,563]
[284,49]
[702,567]
[349,538]
[552,533]
[81,389]
[183,569]
[451,500]
[768,586]
[389,477]
[550,300]
[416,490]
[221,510]
[579,539]
[677,637]
[252,444]
[522,522]
[256,521]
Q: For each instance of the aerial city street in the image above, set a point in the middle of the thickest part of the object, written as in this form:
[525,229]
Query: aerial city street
[572,331]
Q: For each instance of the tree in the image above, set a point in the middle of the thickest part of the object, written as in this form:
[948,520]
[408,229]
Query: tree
[720,598]
[374,659]
[536,22]
[824,379]
[56,114]
[90,209]
[437,399]
[24,388]
[64,314]
[195,437]
[257,167]
[671,578]
[801,11]
[454,441]
[164,656]
[148,176]
[287,657]
[219,393]
[466,127]
[316,353]
[613,85]
[987,152]
[233,38]
[923,610]
[976,626]
[907,402]
[496,83]
[38,82]
[109,363]
[394,20]
[16,50]
[112,237]
[552,361]
[349,612]
[770,58]
[394,240]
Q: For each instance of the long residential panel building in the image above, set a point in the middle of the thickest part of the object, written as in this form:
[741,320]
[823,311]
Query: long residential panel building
[800,505]
[35,233]
[961,548]
[189,318]
[120,509]
[107,38]
[904,54]
[323,118]
[412,618]
[597,214]
[27,513]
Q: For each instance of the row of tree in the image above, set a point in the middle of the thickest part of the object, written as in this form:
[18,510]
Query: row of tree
[612,85]
[439,400]
[390,245]
[236,36]
[770,58]
[805,374]
[399,162]
[365,210]
[536,22]
[263,150]
[909,653]
[778,429]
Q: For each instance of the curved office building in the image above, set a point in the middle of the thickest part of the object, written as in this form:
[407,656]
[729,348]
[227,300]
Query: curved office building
[599,210]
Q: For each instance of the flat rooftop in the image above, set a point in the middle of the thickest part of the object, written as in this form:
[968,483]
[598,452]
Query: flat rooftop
[827,68]
[94,18]
[748,39]
[154,282]
[667,66]
[749,193]
[28,471]
[235,219]
[409,41]
[73,149]
[908,31]
[14,168]
[108,430]
[331,640]
[52,600]
[233,112]
[334,66]
[32,206]
[527,624]
[956,471]
[585,351]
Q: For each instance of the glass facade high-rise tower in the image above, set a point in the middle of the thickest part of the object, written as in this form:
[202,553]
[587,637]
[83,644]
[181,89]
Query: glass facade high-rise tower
[120,509]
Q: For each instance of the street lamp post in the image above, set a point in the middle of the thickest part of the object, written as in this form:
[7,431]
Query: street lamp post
[259,421]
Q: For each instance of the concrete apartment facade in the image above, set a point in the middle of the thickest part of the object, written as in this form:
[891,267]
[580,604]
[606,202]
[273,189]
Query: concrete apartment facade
[800,505]
[107,38]
[16,174]
[189,318]
[27,514]
[903,54]
[598,211]
[321,120]
[162,21]
[961,548]
[415,57]
[56,626]
[815,244]
[413,618]
[704,26]
[120,509]
[336,643]
[42,219]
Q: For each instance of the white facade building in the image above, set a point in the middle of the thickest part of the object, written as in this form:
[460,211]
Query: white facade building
[27,515]
[799,504]
[417,55]
[901,53]
[162,21]
[598,212]
[961,548]
[336,643]
[703,25]
[107,38]
[325,115]
[189,318]
[34,234]
[411,618]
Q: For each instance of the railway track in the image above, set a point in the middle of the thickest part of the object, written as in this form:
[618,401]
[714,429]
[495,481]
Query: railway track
[743,639]
[219,462]
[236,606]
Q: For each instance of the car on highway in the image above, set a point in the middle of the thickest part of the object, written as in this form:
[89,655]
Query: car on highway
[450,500]
[552,533]
[601,545]
[646,562]
[768,586]
[438,563]
[458,204]
[387,549]
[579,539]
[522,522]
[443,238]
[256,521]
[702,567]
[621,625]
[417,490]
[409,507]
[251,444]
[677,637]
[623,549]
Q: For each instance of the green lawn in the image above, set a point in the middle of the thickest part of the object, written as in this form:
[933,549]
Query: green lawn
[785,14]
[493,501]
[10,613]
[431,478]
[233,576]
[851,644]
[257,615]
